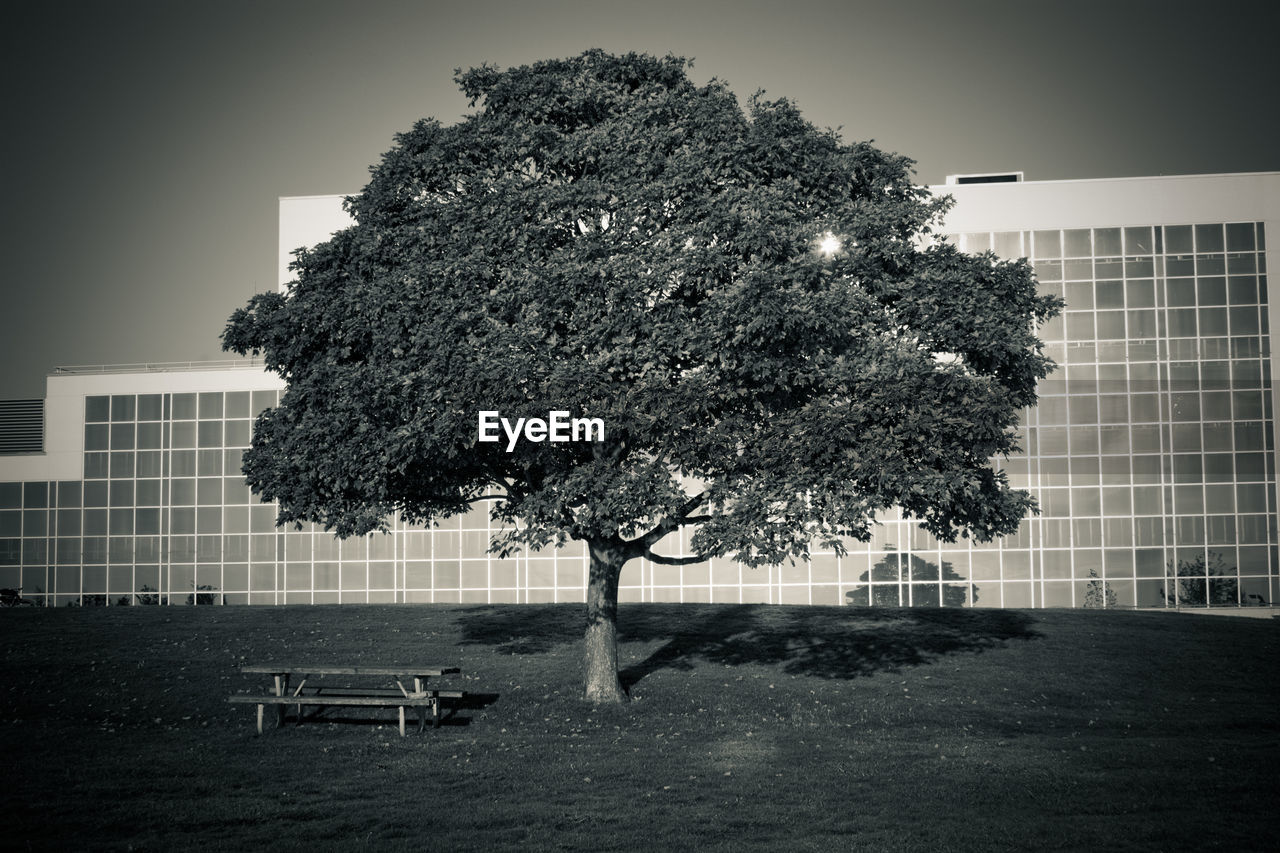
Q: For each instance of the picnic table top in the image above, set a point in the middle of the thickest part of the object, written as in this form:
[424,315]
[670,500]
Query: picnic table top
[334,669]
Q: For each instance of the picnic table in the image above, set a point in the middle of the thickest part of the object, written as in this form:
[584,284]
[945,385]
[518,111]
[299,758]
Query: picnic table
[313,693]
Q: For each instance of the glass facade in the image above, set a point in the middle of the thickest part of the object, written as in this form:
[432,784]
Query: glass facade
[1151,453]
[1151,450]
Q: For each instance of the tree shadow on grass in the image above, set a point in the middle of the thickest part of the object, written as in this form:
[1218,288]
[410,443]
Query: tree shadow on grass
[826,642]
[831,642]
[527,629]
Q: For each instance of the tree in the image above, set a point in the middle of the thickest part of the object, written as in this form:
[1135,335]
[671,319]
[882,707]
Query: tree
[745,301]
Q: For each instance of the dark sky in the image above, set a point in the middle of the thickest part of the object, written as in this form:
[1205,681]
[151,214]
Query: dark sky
[147,143]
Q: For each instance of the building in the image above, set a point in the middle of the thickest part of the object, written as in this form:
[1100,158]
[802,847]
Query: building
[1152,451]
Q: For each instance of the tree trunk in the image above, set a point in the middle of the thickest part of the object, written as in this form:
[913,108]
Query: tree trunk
[601,640]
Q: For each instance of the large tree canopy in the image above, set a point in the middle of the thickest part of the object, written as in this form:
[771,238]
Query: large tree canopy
[753,308]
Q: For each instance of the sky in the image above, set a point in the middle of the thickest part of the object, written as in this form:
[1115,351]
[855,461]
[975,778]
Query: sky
[147,143]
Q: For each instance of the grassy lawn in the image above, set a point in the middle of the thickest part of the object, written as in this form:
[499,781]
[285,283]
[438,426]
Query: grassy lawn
[753,727]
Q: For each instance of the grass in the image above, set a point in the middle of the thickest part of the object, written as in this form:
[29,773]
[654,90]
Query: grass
[752,727]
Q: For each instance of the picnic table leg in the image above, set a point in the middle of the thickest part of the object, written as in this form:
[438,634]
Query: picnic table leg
[297,708]
[401,721]
[297,691]
[282,684]
[260,710]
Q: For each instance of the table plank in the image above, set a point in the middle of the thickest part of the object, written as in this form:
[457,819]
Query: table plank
[335,699]
[332,669]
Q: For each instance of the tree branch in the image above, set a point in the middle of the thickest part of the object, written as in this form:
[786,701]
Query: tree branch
[673,561]
[672,522]
[641,545]
[488,498]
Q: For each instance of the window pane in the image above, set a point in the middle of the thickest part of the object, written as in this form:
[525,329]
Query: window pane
[1188,469]
[1218,468]
[1237,264]
[1213,322]
[1077,243]
[1079,295]
[96,437]
[184,407]
[1210,265]
[1186,407]
[210,405]
[97,409]
[262,400]
[1244,321]
[210,433]
[1240,237]
[123,408]
[183,491]
[183,521]
[1109,294]
[1182,323]
[1180,292]
[209,463]
[96,465]
[209,491]
[1242,289]
[148,493]
[1137,241]
[1080,325]
[1209,238]
[237,434]
[1048,244]
[35,495]
[121,522]
[1008,244]
[1106,242]
[35,522]
[121,493]
[1142,324]
[1078,270]
[150,463]
[184,434]
[1140,294]
[149,407]
[1211,290]
[147,522]
[69,494]
[1177,239]
[149,435]
[1249,436]
[237,404]
[1138,268]
[1114,439]
[122,464]
[1186,438]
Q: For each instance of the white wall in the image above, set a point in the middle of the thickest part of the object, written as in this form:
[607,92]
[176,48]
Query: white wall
[305,221]
[63,456]
[1110,202]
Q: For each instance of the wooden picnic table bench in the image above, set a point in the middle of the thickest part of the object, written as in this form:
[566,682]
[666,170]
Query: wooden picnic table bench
[332,694]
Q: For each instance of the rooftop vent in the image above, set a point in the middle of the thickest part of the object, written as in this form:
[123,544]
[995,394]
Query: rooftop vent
[21,426]
[987,178]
